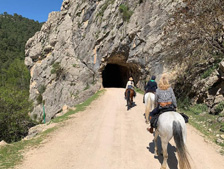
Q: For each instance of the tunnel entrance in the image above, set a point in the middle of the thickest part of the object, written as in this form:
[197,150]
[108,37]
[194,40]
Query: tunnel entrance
[115,76]
[116,69]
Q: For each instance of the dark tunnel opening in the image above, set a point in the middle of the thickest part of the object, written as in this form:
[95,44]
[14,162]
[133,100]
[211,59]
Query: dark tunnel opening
[115,76]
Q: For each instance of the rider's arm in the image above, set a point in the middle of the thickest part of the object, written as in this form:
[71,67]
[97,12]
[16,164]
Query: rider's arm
[132,83]
[156,85]
[146,86]
[128,83]
[174,101]
[156,98]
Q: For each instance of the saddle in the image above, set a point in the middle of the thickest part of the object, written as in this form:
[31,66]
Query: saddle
[130,87]
[163,107]
[155,118]
[166,106]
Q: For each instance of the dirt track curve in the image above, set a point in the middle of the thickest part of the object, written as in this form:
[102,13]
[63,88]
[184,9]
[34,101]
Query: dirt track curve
[107,136]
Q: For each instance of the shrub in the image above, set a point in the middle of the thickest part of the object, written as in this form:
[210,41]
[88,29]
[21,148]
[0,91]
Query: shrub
[222,127]
[207,73]
[57,69]
[184,103]
[219,107]
[41,89]
[126,13]
[199,108]
[39,99]
[104,7]
[14,119]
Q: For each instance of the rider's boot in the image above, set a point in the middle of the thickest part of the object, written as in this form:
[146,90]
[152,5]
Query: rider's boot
[150,129]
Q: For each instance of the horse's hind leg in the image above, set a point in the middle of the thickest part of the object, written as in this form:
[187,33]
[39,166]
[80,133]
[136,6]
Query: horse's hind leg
[147,109]
[147,116]
[155,142]
[165,154]
[128,104]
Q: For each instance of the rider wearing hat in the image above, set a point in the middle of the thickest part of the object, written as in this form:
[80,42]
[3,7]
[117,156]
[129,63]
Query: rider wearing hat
[130,84]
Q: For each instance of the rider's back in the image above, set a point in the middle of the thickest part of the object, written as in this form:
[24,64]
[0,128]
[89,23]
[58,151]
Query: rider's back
[130,84]
[166,96]
[151,86]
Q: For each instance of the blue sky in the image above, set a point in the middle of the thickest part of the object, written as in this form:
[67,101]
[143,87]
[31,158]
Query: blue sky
[37,10]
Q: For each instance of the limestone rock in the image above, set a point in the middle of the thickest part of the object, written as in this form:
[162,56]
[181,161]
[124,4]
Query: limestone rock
[90,44]
[220,141]
[3,143]
[222,136]
[33,131]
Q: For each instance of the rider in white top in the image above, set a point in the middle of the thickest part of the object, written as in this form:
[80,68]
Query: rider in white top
[130,83]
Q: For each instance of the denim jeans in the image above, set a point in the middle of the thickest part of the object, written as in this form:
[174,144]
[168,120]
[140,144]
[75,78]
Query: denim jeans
[154,111]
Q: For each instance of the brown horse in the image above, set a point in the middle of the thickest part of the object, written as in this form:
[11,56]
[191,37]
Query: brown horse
[129,96]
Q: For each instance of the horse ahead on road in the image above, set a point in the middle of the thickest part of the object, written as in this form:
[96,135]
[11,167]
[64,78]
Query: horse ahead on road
[170,124]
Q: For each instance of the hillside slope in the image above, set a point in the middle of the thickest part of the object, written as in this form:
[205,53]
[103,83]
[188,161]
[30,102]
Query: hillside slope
[15,105]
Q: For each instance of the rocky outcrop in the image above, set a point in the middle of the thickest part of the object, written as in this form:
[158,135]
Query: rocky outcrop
[92,44]
[2,143]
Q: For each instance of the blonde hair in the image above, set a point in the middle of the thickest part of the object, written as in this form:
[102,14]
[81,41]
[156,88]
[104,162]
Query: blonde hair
[164,82]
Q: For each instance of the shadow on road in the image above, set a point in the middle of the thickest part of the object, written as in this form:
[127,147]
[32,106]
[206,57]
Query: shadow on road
[172,160]
[133,105]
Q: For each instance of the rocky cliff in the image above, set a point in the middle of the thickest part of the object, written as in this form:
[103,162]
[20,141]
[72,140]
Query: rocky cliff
[91,44]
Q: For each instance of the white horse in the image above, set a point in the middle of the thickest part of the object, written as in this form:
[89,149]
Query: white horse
[171,124]
[149,105]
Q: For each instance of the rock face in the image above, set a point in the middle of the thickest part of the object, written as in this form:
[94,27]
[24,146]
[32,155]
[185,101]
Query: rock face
[208,90]
[91,44]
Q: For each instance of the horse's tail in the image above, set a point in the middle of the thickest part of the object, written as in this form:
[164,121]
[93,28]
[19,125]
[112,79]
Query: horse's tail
[149,106]
[181,148]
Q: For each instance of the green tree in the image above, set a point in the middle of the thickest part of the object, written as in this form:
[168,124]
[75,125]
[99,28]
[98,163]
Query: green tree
[14,76]
[14,108]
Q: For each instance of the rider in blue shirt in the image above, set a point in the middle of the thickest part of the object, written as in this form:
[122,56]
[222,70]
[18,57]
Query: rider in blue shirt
[150,87]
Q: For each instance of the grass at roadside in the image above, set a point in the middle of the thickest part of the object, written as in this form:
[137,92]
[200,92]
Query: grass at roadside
[139,90]
[206,123]
[79,107]
[12,154]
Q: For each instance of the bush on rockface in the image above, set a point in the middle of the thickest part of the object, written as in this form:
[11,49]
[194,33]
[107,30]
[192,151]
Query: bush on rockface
[126,12]
[219,107]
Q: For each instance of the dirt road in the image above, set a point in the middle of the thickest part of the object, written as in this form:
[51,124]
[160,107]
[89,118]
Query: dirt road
[107,136]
